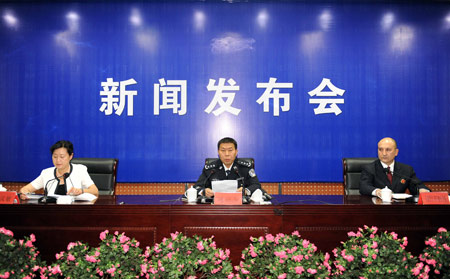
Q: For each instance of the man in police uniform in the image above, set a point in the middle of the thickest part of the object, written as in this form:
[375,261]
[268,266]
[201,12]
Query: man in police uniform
[227,167]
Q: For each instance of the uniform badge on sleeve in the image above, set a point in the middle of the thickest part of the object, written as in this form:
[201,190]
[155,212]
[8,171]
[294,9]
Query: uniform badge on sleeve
[252,173]
[403,181]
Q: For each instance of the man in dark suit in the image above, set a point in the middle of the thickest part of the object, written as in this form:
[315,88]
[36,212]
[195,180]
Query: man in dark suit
[227,167]
[387,172]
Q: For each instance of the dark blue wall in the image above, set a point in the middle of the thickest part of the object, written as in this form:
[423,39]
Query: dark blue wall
[392,60]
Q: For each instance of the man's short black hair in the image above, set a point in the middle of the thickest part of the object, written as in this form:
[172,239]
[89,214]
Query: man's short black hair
[227,140]
[62,143]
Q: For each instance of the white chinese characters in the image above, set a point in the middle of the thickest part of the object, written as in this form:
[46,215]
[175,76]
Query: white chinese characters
[173,96]
[114,100]
[222,99]
[272,93]
[319,92]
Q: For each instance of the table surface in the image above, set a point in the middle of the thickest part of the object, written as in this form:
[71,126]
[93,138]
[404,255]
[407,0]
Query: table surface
[277,200]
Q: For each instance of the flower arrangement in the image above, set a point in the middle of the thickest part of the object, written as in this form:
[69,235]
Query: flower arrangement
[368,254]
[19,259]
[282,256]
[187,257]
[437,254]
[117,256]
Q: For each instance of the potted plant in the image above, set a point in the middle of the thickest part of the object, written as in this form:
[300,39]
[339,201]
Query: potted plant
[19,259]
[117,256]
[187,257]
[282,256]
[369,254]
[436,254]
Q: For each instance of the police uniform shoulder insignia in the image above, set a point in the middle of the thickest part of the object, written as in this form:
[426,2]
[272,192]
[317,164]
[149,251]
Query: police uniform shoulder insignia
[252,173]
[211,165]
[244,163]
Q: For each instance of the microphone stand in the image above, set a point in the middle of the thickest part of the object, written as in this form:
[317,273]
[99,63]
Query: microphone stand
[414,198]
[203,198]
[46,199]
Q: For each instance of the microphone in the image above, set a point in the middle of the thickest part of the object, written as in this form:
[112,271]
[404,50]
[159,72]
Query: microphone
[46,198]
[245,199]
[203,198]
[413,181]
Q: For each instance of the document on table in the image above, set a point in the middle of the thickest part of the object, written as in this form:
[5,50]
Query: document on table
[82,197]
[224,186]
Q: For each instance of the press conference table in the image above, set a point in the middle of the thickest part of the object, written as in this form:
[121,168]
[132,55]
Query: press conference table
[324,220]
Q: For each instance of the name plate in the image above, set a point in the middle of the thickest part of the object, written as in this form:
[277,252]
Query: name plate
[227,198]
[434,198]
[9,198]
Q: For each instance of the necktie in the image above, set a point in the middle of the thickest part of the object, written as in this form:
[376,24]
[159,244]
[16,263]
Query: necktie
[389,175]
[227,172]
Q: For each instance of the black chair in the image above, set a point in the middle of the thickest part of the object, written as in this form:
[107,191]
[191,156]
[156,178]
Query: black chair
[250,161]
[352,173]
[103,172]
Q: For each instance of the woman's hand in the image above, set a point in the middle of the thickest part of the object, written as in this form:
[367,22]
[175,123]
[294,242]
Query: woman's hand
[75,191]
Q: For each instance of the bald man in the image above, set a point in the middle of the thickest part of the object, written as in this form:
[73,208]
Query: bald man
[375,176]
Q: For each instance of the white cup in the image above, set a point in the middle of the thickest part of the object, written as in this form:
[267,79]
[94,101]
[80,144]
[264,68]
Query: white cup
[386,194]
[257,196]
[191,195]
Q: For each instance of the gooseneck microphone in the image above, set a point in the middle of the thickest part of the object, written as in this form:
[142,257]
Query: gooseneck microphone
[204,198]
[46,198]
[240,180]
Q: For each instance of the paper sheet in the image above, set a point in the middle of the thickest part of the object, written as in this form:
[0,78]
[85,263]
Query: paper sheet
[224,186]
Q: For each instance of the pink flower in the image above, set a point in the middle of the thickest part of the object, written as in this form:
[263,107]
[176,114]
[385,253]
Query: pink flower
[431,242]
[143,268]
[349,258]
[202,262]
[200,246]
[70,257]
[29,244]
[111,270]
[90,259]
[312,271]
[6,232]
[103,234]
[299,269]
[446,247]
[305,243]
[374,256]
[123,238]
[269,237]
[281,254]
[125,248]
[174,235]
[282,276]
[59,255]
[394,235]
[32,238]
[442,230]
[297,258]
[6,274]
[432,262]
[366,252]
[374,245]
[55,270]
[296,233]
[351,234]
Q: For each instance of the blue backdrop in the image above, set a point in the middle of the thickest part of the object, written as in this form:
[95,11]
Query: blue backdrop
[392,60]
